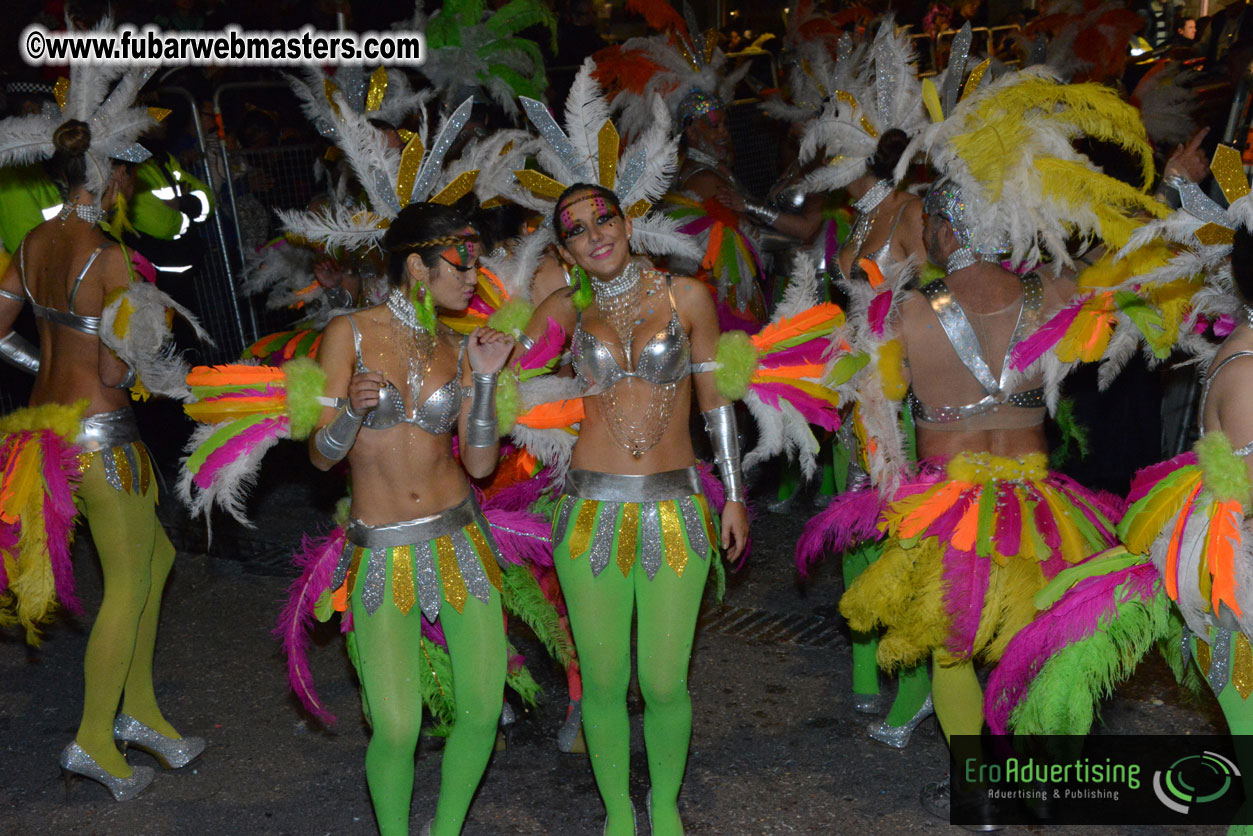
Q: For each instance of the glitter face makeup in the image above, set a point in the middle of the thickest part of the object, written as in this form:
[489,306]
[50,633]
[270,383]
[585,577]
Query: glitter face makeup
[602,209]
[463,256]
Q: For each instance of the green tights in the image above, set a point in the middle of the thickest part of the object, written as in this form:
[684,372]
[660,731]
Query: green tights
[600,615]
[135,559]
[388,644]
[912,685]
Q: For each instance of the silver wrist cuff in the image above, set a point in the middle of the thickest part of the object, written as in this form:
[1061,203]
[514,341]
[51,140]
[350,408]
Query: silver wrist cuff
[18,352]
[481,423]
[765,214]
[335,439]
[725,437]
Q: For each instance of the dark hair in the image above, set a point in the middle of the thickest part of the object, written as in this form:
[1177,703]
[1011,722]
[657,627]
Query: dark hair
[423,228]
[892,143]
[607,194]
[1242,263]
[68,165]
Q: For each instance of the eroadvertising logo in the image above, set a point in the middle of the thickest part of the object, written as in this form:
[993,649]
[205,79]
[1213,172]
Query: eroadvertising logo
[1193,780]
[1099,780]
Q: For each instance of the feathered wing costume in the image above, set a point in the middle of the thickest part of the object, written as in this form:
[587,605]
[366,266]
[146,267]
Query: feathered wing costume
[1186,536]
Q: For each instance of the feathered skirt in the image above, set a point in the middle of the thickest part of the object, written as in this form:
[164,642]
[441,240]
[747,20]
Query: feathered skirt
[1202,548]
[44,453]
[967,544]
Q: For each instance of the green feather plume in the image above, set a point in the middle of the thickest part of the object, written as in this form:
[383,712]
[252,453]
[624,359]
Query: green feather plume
[512,317]
[736,357]
[305,384]
[1074,436]
[523,684]
[508,402]
[1225,475]
[1064,695]
[524,598]
[436,684]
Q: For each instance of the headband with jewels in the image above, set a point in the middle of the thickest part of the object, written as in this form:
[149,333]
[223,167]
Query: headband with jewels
[697,104]
[1006,145]
[589,150]
[868,90]
[101,96]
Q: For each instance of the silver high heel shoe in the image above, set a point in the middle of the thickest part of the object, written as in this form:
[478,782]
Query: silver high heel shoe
[867,703]
[898,736]
[75,762]
[170,752]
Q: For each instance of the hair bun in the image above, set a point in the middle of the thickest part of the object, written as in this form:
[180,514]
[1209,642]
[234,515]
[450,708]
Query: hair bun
[892,143]
[72,138]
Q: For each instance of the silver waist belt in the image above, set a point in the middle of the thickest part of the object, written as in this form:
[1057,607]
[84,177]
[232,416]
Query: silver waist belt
[1030,399]
[414,531]
[108,429]
[616,487]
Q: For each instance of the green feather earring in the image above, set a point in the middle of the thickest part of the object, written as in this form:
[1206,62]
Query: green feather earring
[424,308]
[583,294]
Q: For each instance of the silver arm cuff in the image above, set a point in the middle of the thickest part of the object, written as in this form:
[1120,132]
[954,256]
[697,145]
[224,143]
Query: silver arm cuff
[481,423]
[725,437]
[17,352]
[335,439]
[766,214]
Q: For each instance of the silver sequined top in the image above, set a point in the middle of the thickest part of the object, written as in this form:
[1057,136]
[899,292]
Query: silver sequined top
[436,415]
[665,359]
[89,325]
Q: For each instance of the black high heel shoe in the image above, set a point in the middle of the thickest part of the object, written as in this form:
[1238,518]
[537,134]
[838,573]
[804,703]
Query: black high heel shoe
[76,763]
[170,752]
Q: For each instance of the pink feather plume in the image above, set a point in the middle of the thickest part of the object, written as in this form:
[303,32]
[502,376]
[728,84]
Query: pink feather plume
[1078,614]
[317,560]
[238,447]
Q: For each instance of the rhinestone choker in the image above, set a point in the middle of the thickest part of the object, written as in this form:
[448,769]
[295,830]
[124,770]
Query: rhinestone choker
[87,212]
[400,306]
[625,281]
[1248,316]
[960,259]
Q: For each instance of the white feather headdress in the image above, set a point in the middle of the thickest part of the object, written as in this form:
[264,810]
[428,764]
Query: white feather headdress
[866,96]
[589,150]
[1205,232]
[101,96]
[379,95]
[390,178]
[1008,167]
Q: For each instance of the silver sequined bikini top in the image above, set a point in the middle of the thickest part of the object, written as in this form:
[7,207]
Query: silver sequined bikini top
[89,325]
[665,359]
[436,415]
[961,335]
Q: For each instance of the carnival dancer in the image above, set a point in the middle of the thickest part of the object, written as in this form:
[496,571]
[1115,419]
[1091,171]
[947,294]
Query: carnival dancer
[1179,580]
[983,524]
[416,535]
[78,442]
[871,110]
[634,529]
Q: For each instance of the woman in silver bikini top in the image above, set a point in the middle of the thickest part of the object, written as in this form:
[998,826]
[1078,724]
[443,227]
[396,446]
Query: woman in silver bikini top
[437,414]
